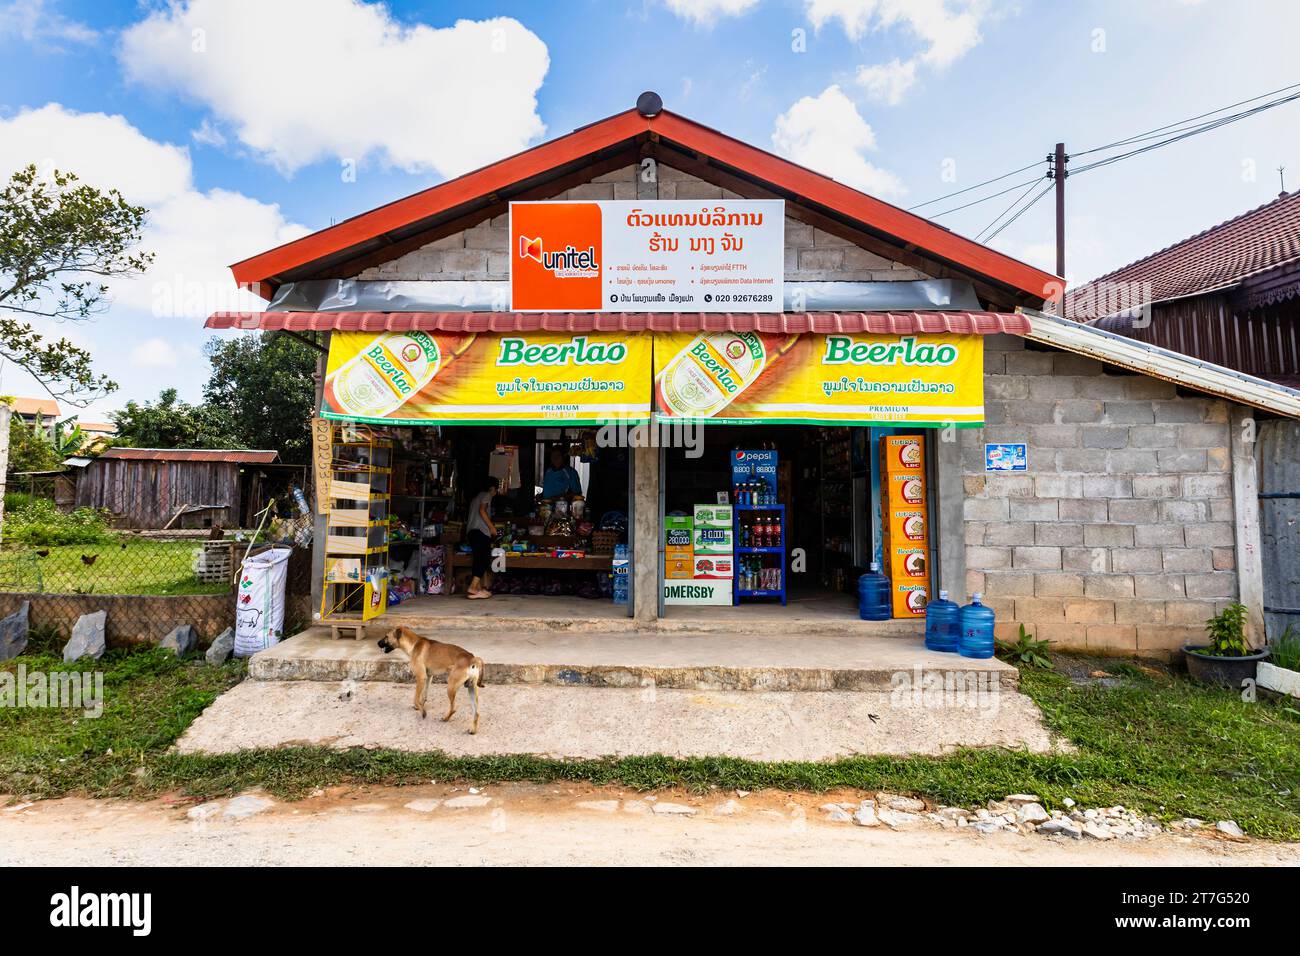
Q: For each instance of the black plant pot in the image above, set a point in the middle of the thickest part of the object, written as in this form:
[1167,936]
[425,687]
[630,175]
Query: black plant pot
[1220,671]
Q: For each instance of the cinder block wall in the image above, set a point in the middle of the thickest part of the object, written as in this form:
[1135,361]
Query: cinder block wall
[1119,538]
[483,251]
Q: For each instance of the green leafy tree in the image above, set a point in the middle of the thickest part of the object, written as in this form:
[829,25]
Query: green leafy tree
[60,241]
[171,423]
[30,449]
[68,440]
[265,385]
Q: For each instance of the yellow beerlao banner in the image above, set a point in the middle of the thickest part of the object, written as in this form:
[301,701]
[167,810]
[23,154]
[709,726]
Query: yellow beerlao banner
[412,378]
[920,380]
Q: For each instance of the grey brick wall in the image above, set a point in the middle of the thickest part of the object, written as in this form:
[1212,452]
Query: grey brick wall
[1119,538]
[483,251]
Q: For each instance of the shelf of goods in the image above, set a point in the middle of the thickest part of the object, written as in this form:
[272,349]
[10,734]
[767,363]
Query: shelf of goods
[759,567]
[355,582]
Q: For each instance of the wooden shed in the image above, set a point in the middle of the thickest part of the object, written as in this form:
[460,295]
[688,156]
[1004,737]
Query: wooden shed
[154,488]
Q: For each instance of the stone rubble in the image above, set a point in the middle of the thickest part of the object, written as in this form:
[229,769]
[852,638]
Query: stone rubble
[1016,813]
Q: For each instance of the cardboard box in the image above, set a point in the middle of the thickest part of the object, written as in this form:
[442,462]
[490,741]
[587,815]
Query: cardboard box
[909,598]
[713,540]
[908,525]
[904,489]
[902,453]
[713,567]
[677,531]
[679,566]
[713,516]
[908,562]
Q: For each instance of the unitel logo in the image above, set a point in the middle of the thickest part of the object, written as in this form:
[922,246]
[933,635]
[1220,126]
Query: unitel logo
[567,264]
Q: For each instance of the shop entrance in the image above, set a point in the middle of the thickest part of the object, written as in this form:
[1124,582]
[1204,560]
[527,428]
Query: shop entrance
[810,511]
[559,512]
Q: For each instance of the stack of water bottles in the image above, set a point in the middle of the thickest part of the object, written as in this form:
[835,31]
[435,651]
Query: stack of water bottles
[951,629]
[621,568]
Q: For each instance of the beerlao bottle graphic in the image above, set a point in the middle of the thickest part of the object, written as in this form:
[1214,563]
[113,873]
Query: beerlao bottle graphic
[712,372]
[386,373]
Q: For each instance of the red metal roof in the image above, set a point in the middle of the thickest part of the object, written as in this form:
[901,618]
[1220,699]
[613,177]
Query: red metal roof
[242,456]
[262,272]
[1266,237]
[893,323]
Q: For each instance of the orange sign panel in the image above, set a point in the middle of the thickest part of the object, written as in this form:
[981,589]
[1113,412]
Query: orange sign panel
[555,256]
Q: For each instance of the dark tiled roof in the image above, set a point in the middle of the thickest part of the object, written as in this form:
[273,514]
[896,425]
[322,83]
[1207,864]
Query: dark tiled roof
[1254,242]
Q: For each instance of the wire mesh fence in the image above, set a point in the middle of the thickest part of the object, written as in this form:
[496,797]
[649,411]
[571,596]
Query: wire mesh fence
[67,561]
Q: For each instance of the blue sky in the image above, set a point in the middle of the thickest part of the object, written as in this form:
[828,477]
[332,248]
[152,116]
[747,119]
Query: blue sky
[239,123]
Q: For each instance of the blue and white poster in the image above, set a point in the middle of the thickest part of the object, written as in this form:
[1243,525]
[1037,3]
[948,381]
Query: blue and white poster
[1006,456]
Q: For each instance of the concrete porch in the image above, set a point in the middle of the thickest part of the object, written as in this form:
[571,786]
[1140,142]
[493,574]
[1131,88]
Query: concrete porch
[817,611]
[800,659]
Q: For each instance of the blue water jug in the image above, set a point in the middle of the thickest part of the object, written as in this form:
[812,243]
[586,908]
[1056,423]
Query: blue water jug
[976,629]
[873,595]
[943,625]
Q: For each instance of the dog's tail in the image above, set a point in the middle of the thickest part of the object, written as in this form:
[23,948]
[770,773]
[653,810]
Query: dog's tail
[475,672]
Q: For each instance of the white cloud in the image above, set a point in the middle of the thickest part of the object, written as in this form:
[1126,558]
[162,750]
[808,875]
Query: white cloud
[706,13]
[155,353]
[947,29]
[888,82]
[208,134]
[194,235]
[33,21]
[300,81]
[826,133]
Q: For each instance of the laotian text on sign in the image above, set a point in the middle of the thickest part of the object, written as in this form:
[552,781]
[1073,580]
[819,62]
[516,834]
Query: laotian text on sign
[526,378]
[647,256]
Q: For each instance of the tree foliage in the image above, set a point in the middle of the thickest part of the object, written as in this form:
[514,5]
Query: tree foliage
[264,384]
[171,423]
[60,241]
[30,448]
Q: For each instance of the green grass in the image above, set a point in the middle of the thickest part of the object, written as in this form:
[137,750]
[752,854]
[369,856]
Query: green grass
[1152,741]
[141,567]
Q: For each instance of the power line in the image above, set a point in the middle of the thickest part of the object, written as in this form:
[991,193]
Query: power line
[976,202]
[931,202]
[1013,205]
[1045,190]
[1138,137]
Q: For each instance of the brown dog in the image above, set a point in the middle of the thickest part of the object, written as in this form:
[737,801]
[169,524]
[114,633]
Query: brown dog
[430,657]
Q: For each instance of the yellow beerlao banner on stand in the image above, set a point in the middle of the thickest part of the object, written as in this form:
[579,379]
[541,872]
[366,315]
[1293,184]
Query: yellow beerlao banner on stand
[414,378]
[921,380]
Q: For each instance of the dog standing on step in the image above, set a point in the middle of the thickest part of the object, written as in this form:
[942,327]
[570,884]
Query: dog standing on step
[430,657]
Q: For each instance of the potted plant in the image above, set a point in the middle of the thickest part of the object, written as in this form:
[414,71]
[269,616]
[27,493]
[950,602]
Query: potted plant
[1227,659]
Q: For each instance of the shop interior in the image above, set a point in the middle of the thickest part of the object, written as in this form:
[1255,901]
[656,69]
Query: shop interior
[559,535]
[835,504]
[824,531]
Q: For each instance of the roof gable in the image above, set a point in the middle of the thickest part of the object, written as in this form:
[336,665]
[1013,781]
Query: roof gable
[602,147]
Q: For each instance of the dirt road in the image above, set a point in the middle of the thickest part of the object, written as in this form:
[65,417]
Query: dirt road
[525,824]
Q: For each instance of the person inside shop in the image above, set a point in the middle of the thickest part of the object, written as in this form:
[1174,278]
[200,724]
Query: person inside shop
[480,530]
[560,480]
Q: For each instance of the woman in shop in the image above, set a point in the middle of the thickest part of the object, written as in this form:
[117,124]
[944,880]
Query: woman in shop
[480,530]
[560,479]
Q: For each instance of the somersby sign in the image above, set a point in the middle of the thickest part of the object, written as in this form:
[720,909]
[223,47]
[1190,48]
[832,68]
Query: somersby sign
[654,256]
[709,377]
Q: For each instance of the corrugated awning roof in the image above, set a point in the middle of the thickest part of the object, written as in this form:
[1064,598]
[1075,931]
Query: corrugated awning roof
[242,456]
[884,323]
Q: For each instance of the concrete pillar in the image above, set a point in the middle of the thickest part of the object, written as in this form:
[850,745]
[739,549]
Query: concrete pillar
[950,526]
[645,535]
[1245,510]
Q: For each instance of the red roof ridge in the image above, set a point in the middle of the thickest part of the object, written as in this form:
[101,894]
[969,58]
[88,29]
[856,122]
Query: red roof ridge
[909,229]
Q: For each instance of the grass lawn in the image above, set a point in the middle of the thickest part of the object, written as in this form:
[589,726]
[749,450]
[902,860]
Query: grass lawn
[141,567]
[1145,739]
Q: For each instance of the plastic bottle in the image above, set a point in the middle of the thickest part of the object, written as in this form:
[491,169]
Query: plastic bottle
[943,625]
[873,595]
[976,629]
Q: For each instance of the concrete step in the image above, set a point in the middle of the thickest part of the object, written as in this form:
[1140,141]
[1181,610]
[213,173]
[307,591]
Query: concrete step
[761,662]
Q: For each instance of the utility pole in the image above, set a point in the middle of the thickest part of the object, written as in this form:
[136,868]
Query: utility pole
[1059,173]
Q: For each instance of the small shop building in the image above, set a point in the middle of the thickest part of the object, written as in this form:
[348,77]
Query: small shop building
[714,386]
